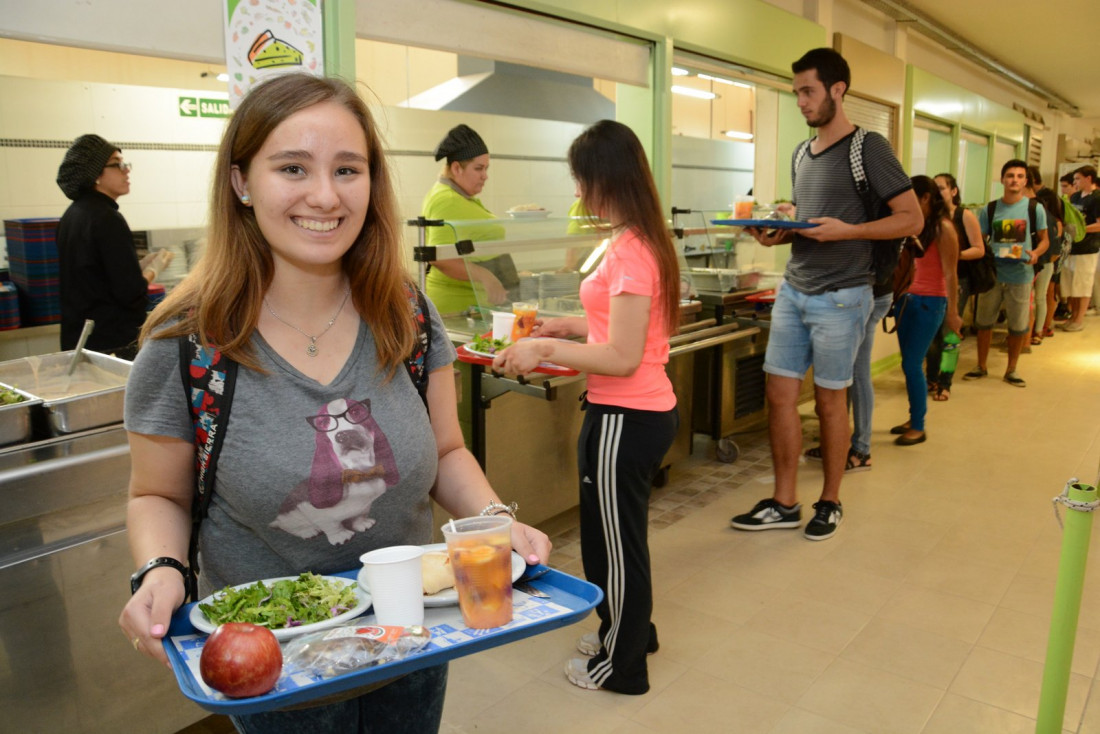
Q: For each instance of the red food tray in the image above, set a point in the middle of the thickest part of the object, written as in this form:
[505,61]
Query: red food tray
[761,297]
[546,368]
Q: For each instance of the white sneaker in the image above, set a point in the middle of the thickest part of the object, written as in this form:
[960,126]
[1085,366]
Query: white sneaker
[589,644]
[576,670]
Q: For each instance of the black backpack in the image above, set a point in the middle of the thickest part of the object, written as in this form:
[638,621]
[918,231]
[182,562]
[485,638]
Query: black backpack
[884,253]
[208,380]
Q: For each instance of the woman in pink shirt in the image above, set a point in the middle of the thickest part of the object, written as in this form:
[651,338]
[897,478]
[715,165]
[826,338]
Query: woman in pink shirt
[631,305]
[930,301]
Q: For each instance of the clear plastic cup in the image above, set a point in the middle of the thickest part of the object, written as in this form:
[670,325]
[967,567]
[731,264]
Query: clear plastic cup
[481,556]
[525,314]
[742,207]
[395,581]
[502,324]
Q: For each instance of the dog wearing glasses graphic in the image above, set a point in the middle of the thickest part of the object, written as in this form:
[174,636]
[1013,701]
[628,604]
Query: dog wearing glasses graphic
[353,465]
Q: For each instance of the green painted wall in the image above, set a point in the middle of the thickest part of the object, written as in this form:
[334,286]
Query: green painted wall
[944,100]
[939,152]
[749,32]
[792,130]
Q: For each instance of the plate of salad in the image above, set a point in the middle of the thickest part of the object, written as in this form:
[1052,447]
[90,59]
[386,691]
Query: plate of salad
[486,346]
[289,606]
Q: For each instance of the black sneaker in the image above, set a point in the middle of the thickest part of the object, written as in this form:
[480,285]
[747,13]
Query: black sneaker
[768,515]
[827,518]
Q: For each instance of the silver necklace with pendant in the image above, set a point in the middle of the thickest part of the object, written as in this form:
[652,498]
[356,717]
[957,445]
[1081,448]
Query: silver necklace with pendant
[311,350]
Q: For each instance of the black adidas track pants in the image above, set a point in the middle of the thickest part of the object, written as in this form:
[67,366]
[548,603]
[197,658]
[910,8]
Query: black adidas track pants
[618,454]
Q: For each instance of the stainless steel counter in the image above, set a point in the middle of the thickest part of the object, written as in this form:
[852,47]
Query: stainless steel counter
[64,563]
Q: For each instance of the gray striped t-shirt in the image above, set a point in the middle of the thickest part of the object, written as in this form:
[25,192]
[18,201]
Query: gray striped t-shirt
[824,187]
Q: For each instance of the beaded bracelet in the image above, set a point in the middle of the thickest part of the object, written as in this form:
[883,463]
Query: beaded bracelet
[495,508]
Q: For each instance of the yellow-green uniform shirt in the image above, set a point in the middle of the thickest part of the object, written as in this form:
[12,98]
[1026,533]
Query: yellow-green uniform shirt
[442,202]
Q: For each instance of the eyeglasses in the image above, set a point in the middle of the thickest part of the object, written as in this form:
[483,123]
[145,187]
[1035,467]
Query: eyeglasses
[357,412]
[124,167]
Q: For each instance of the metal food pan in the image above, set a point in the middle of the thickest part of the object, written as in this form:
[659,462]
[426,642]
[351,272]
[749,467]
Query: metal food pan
[96,396]
[15,419]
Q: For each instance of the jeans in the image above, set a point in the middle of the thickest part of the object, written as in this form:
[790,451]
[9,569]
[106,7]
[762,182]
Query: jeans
[823,330]
[862,393]
[920,317]
[412,704]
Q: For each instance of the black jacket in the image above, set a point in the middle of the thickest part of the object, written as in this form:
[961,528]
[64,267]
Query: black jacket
[100,278]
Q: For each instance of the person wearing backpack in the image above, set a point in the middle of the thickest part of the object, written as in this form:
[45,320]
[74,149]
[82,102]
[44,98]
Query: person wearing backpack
[927,306]
[1042,288]
[972,276]
[823,303]
[330,450]
[1015,228]
[1080,270]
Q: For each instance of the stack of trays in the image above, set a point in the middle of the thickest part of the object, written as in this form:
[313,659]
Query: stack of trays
[554,285]
[33,264]
[9,307]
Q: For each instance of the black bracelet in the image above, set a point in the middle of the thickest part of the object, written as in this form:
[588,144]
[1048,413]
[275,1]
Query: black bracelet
[135,579]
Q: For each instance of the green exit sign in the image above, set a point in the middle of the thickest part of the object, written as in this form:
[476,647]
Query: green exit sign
[198,107]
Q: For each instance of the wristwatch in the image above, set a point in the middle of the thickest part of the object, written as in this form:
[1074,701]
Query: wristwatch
[135,579]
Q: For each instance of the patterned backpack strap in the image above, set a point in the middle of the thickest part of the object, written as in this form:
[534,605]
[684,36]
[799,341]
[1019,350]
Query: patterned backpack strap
[417,363]
[208,380]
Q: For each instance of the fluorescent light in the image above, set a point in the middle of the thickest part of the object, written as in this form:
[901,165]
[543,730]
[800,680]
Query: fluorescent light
[677,71]
[718,79]
[223,77]
[591,260]
[737,135]
[689,92]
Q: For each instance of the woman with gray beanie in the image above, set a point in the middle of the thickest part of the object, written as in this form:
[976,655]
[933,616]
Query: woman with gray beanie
[100,276]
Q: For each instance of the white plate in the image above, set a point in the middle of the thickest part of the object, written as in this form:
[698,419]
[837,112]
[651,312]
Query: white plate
[548,365]
[476,353]
[530,214]
[449,597]
[201,623]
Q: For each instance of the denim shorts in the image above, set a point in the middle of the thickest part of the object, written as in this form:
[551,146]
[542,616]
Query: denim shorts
[823,331]
[1016,299]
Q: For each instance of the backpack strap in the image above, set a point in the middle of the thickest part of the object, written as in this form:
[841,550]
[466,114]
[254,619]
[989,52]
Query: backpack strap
[208,381]
[417,363]
[1031,219]
[989,209]
[800,154]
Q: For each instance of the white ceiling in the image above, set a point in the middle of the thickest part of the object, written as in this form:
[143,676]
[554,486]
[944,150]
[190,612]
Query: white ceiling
[1053,44]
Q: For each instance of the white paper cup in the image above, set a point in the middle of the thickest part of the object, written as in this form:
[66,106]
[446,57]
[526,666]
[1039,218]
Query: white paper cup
[502,324]
[396,584]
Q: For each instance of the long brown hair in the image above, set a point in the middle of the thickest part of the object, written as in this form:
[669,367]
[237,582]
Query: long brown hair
[609,164]
[222,298]
[937,209]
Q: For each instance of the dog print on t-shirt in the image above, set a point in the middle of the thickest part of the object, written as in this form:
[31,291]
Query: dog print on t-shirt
[353,465]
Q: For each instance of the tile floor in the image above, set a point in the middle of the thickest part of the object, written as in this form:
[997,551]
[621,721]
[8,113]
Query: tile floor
[927,613]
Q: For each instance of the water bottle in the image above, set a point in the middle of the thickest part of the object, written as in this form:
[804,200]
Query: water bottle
[950,356]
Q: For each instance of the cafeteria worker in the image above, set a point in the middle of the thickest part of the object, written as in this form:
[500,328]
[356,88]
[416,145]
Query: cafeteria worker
[456,284]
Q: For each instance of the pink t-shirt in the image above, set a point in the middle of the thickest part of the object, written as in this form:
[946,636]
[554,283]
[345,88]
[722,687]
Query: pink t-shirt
[628,267]
[928,274]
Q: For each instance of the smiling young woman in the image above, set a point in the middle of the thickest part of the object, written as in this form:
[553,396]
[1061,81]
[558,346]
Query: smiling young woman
[330,452]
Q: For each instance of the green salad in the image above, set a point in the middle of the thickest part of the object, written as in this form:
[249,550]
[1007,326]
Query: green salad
[488,345]
[10,397]
[288,603]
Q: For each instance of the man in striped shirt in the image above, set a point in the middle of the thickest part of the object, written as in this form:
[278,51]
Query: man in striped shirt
[823,304]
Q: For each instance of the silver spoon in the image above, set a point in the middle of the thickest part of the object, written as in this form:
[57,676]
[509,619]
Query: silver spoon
[88,326]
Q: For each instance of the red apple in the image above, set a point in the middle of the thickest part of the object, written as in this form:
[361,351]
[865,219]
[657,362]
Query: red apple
[241,660]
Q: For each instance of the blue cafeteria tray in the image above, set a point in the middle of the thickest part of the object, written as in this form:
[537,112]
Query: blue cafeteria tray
[571,599]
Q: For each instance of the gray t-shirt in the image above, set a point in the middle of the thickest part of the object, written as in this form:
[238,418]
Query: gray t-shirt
[310,476]
[824,187]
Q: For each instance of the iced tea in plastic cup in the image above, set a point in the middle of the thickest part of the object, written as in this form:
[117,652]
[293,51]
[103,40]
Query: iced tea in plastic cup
[481,556]
[526,313]
[742,207]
